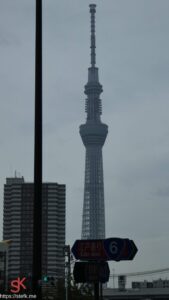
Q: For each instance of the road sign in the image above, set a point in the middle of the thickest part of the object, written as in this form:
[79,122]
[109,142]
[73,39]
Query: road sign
[109,249]
[87,272]
[89,249]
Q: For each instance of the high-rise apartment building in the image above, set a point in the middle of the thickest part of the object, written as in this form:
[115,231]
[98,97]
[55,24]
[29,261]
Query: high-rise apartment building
[93,134]
[3,263]
[18,227]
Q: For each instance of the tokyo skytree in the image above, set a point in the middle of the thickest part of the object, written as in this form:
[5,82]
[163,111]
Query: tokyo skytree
[93,134]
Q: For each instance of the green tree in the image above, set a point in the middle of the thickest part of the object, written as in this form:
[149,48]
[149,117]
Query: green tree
[75,292]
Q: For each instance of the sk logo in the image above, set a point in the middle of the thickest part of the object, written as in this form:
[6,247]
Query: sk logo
[17,284]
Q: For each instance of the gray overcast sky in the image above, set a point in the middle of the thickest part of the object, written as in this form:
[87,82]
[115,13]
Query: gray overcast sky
[133,60]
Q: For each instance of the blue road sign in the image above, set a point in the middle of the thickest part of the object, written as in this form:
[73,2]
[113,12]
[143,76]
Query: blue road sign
[108,249]
[120,249]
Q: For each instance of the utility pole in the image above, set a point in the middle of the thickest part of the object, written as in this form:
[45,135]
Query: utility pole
[68,271]
[37,208]
[113,278]
[101,291]
[96,291]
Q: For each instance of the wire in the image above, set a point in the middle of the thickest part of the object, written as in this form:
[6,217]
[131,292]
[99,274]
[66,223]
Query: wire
[150,272]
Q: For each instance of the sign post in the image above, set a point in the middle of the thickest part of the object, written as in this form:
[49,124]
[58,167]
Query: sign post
[96,290]
[94,255]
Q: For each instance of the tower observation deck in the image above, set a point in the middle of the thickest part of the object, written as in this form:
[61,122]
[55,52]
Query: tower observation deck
[93,134]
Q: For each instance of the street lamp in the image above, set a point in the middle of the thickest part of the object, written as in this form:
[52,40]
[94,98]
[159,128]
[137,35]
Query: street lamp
[37,208]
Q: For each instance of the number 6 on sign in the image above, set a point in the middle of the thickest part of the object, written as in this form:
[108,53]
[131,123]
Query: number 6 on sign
[113,248]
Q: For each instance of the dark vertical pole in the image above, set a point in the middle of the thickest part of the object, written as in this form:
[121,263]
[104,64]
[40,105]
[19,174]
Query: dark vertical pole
[69,275]
[68,270]
[101,291]
[37,208]
[5,275]
[96,291]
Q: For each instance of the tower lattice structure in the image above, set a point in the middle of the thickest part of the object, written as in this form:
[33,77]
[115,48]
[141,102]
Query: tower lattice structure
[93,134]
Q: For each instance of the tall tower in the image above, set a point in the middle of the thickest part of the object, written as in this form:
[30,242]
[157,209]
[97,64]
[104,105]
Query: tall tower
[93,134]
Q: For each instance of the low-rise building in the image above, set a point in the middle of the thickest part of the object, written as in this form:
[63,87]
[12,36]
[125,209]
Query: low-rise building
[158,283]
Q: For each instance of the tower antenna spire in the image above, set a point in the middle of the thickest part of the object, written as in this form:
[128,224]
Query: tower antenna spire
[93,37]
[93,133]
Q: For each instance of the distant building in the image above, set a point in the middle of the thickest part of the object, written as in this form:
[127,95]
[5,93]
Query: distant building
[18,227]
[122,282]
[142,284]
[159,283]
